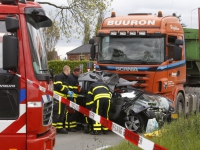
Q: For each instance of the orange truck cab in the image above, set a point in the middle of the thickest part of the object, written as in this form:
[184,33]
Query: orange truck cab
[146,48]
[25,111]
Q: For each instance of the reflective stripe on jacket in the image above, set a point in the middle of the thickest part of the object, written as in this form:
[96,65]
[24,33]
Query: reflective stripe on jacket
[96,91]
[60,84]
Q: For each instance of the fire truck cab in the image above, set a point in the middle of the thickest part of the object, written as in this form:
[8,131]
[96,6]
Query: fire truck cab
[25,111]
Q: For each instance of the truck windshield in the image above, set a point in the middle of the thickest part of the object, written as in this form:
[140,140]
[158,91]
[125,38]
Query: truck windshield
[131,50]
[38,50]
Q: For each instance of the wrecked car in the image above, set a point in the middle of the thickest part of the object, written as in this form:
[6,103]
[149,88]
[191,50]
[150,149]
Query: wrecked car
[130,107]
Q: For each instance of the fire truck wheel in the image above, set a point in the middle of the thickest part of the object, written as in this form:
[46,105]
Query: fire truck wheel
[180,104]
[135,123]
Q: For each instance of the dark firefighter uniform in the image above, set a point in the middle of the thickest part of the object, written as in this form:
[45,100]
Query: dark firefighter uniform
[73,85]
[60,88]
[99,97]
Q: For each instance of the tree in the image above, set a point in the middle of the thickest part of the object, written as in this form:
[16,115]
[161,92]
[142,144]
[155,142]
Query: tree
[87,32]
[99,21]
[87,28]
[75,12]
[52,55]
[51,36]
[179,18]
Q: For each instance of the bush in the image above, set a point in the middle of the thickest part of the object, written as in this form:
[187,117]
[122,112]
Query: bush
[57,65]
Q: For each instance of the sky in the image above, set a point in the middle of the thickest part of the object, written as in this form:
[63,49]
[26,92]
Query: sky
[186,8]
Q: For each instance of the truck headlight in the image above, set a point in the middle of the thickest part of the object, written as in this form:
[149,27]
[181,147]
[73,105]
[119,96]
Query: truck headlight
[133,33]
[142,32]
[122,33]
[113,32]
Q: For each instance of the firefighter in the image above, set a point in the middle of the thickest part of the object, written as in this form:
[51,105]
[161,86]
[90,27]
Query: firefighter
[98,99]
[71,115]
[59,109]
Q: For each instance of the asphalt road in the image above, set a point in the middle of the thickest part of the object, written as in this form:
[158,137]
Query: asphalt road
[81,141]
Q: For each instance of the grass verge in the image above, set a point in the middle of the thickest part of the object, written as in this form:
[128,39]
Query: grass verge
[180,134]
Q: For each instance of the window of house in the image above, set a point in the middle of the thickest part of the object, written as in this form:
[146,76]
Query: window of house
[81,57]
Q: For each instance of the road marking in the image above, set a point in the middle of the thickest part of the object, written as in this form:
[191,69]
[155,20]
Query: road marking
[104,147]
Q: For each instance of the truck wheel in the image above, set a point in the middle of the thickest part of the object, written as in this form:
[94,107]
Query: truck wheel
[135,123]
[180,104]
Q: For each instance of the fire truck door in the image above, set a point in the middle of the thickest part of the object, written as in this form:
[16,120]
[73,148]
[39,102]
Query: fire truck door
[12,106]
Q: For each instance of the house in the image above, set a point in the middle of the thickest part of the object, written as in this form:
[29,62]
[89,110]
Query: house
[79,53]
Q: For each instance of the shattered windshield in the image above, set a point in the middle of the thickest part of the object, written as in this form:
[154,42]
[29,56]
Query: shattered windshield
[131,50]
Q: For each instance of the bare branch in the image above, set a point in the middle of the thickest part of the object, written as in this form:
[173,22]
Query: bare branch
[73,15]
[59,7]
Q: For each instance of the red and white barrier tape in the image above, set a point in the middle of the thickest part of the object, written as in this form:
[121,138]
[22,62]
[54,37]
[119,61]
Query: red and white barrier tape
[132,137]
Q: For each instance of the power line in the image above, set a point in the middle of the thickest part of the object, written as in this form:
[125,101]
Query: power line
[171,7]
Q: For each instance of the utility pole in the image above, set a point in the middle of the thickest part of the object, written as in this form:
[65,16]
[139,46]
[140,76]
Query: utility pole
[191,15]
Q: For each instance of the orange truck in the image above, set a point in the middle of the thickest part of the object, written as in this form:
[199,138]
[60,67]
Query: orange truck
[25,111]
[154,50]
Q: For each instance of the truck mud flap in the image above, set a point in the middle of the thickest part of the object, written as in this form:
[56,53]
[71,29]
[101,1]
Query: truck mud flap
[197,92]
[187,104]
[198,104]
[193,102]
[194,91]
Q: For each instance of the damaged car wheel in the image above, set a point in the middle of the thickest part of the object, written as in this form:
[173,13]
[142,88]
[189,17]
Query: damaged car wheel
[135,123]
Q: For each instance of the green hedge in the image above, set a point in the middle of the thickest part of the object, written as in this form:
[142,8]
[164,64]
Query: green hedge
[57,65]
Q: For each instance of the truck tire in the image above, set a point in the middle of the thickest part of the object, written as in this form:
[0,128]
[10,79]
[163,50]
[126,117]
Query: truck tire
[179,108]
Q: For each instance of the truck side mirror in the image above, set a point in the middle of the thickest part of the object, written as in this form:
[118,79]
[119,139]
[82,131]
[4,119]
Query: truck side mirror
[12,24]
[178,42]
[10,52]
[42,19]
[177,53]
[91,41]
[92,52]
[10,45]
[92,49]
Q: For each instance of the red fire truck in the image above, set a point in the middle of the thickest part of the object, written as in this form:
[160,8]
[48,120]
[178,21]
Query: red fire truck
[25,111]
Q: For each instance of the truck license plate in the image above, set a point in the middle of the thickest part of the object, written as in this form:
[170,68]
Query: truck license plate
[174,116]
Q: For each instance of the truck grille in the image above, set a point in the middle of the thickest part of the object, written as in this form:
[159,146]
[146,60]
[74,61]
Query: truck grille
[141,79]
[47,113]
